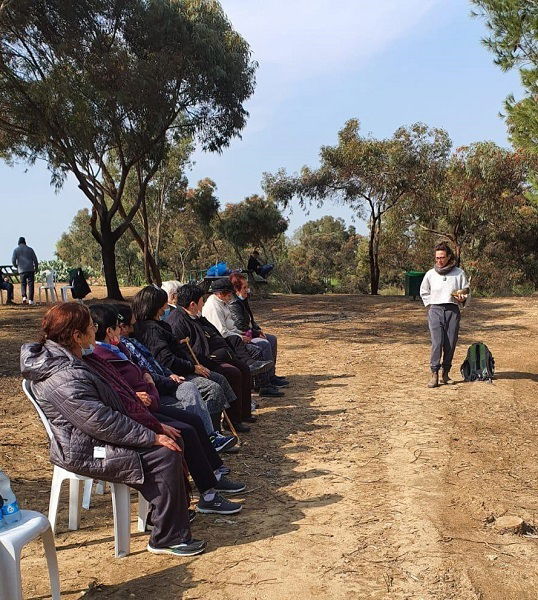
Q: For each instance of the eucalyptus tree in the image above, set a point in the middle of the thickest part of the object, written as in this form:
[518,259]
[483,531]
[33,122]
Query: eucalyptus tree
[369,175]
[84,80]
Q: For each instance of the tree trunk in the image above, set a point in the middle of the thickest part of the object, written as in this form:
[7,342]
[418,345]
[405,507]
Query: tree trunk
[108,248]
[373,255]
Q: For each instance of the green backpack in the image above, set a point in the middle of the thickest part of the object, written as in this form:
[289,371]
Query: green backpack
[479,364]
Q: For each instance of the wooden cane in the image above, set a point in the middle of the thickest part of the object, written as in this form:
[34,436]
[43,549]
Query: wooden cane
[224,413]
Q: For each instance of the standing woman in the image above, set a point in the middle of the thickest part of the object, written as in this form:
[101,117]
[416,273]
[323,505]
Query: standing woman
[444,290]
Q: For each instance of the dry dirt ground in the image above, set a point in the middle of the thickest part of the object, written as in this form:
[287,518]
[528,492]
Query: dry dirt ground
[362,483]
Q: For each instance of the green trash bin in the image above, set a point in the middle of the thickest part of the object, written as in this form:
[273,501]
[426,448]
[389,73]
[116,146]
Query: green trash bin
[413,279]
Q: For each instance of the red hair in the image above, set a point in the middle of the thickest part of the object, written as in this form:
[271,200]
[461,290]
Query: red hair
[62,320]
[236,280]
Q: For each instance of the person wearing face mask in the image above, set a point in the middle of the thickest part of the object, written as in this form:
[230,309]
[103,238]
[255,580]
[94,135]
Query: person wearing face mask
[217,311]
[170,287]
[174,391]
[211,349]
[244,321]
[148,306]
[86,415]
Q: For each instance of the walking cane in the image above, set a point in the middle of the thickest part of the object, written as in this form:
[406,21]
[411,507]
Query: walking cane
[187,341]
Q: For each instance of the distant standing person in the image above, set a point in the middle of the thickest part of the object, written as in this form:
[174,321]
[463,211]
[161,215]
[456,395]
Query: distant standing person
[25,260]
[255,265]
[443,290]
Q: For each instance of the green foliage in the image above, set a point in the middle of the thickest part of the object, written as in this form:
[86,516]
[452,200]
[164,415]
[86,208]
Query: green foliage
[253,222]
[369,175]
[83,81]
[513,39]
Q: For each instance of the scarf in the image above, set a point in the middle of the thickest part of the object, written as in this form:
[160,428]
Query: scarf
[447,268]
[143,357]
[113,349]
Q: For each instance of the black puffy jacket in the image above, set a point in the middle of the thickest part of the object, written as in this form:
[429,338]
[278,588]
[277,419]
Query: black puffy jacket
[158,337]
[84,412]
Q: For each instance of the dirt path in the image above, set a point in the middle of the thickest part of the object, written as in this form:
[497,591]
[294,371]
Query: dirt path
[362,483]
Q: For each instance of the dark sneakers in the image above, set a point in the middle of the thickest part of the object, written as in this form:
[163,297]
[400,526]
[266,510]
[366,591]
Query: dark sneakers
[218,506]
[279,381]
[228,486]
[260,366]
[187,549]
[271,392]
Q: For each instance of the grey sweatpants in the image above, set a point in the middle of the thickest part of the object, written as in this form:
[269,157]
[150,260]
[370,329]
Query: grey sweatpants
[444,324]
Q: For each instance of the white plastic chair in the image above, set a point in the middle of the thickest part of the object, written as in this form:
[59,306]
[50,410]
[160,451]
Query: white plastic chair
[12,539]
[49,277]
[121,497]
[63,292]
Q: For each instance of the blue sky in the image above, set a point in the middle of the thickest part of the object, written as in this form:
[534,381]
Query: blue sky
[386,62]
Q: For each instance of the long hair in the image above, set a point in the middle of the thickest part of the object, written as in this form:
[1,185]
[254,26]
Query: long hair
[147,302]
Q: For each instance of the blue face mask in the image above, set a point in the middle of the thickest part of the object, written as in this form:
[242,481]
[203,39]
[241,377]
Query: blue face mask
[87,351]
[242,297]
[165,314]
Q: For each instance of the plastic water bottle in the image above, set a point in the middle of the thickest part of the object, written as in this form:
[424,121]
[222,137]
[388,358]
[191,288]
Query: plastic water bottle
[10,509]
[2,522]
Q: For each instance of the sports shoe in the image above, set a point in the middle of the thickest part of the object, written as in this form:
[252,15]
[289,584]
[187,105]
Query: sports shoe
[24,299]
[224,470]
[270,391]
[187,549]
[30,302]
[222,442]
[279,382]
[218,506]
[260,366]
[10,302]
[229,486]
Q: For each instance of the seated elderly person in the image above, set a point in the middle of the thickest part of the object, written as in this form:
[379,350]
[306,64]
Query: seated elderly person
[5,284]
[205,466]
[211,349]
[173,390]
[148,306]
[171,287]
[244,321]
[85,413]
[217,311]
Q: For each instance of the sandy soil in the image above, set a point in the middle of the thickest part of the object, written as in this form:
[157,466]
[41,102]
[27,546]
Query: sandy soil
[362,483]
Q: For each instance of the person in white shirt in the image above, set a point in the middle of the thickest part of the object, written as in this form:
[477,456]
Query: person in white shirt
[444,290]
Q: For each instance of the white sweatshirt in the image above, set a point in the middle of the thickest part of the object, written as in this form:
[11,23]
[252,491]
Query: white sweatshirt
[437,289]
[218,314]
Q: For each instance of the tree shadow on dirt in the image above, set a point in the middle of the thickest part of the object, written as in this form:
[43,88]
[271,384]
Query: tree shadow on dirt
[266,464]
[388,320]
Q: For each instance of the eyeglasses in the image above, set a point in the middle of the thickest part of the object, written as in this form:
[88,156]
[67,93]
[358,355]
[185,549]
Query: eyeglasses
[95,326]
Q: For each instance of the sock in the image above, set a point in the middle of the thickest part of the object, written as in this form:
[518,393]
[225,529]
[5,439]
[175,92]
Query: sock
[218,474]
[209,496]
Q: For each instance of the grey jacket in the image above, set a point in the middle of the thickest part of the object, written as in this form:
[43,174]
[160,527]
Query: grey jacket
[83,413]
[24,259]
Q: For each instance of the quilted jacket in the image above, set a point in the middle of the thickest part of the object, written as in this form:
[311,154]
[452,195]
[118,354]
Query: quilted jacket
[83,413]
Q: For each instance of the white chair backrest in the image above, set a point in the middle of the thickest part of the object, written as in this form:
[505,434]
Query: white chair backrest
[49,277]
[26,389]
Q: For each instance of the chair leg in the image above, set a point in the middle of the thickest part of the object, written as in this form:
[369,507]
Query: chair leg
[143,510]
[52,563]
[100,487]
[55,490]
[10,569]
[87,494]
[74,503]
[121,505]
